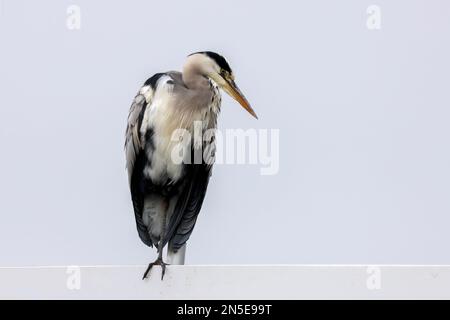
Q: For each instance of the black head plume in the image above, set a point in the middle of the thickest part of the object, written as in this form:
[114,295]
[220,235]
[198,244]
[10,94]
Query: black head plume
[221,62]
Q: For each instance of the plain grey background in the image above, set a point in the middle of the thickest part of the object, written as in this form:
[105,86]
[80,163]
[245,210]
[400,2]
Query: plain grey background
[363,117]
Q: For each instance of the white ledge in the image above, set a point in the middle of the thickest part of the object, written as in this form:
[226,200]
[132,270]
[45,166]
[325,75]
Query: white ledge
[228,282]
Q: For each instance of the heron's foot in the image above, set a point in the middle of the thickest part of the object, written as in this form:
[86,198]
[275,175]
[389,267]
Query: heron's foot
[158,262]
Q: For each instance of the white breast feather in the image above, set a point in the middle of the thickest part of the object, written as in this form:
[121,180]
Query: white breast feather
[164,120]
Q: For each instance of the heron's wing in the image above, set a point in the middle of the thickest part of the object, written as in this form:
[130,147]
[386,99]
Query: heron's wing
[133,143]
[135,162]
[188,205]
[134,151]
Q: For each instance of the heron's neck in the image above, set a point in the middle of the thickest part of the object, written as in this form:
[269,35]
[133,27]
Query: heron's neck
[193,79]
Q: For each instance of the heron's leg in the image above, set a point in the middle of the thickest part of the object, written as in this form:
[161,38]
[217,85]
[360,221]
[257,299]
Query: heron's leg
[176,257]
[159,261]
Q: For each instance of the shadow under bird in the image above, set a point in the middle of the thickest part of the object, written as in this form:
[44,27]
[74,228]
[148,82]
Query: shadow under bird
[167,195]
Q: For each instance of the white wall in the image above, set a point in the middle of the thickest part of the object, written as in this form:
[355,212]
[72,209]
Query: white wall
[227,282]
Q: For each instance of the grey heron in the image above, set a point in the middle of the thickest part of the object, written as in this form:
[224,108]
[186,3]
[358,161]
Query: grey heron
[167,195]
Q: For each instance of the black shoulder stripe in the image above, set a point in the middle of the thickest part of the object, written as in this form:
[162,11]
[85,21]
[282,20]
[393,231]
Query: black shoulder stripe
[154,80]
[141,115]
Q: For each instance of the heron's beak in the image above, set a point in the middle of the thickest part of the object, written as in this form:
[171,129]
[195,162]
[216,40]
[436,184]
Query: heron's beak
[233,90]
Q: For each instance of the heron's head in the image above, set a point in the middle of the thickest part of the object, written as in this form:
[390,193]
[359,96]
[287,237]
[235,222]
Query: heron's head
[216,67]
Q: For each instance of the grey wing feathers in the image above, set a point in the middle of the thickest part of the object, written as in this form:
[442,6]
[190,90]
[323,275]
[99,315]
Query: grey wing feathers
[188,206]
[135,155]
[135,162]
[133,143]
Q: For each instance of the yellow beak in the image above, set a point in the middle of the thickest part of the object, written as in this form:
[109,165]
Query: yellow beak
[233,90]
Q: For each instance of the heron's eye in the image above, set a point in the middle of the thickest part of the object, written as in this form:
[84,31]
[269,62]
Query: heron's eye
[227,75]
[224,74]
